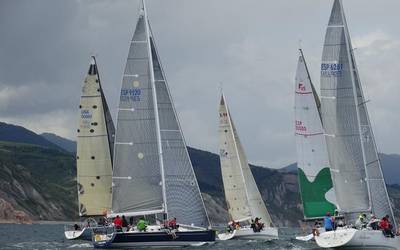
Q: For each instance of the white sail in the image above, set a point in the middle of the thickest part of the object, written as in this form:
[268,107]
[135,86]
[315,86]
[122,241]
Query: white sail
[351,145]
[316,188]
[94,148]
[241,193]
[153,173]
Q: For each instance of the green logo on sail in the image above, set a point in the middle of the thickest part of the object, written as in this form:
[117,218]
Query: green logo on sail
[313,193]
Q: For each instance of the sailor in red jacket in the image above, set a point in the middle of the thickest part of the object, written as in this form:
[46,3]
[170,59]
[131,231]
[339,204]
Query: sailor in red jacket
[117,222]
[386,227]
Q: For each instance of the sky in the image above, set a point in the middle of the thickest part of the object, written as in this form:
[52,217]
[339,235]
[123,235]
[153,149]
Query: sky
[249,47]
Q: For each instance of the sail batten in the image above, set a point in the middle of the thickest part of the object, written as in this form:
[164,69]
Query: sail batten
[94,144]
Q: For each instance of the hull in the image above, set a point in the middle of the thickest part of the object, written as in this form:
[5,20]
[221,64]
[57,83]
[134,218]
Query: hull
[247,233]
[354,238]
[84,234]
[163,238]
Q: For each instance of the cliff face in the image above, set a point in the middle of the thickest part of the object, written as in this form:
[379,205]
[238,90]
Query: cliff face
[38,181]
[8,214]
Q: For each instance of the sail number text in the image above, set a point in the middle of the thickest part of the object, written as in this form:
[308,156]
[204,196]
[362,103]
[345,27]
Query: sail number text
[300,126]
[131,94]
[331,69]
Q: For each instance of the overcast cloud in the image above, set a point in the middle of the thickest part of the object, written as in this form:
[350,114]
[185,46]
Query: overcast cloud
[248,45]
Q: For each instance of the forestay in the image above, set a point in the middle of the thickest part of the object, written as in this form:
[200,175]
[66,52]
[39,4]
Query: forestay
[351,145]
[315,181]
[242,195]
[94,148]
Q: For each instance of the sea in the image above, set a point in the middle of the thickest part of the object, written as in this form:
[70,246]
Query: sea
[51,236]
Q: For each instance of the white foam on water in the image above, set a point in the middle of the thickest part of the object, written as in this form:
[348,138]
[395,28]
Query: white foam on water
[83,245]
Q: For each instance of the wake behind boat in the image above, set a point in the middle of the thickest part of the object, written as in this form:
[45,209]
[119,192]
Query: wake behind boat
[245,204]
[354,162]
[152,176]
[94,156]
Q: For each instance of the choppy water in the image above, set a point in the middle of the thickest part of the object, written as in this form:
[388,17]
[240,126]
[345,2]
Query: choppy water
[52,237]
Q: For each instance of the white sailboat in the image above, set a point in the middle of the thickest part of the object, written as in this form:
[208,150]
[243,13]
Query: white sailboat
[354,162]
[95,140]
[241,193]
[152,175]
[316,188]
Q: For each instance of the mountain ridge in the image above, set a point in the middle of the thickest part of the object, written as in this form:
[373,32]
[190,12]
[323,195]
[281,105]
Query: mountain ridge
[40,181]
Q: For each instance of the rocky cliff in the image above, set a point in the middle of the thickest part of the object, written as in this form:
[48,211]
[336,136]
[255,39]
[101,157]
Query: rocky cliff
[38,182]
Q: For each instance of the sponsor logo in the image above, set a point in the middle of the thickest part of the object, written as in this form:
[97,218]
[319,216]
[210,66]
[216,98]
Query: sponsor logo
[301,87]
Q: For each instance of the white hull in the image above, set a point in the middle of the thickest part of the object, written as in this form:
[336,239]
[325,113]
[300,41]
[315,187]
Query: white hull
[85,233]
[354,238]
[247,233]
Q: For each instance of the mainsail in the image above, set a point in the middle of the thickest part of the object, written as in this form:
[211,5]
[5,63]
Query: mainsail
[315,181]
[94,148]
[152,171]
[357,173]
[242,195]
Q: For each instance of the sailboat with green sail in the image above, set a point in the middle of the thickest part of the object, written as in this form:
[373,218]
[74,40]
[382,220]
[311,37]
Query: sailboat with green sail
[316,187]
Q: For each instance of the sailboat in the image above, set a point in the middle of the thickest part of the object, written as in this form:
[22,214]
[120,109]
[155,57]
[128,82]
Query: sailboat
[316,187]
[241,193]
[153,176]
[94,157]
[354,162]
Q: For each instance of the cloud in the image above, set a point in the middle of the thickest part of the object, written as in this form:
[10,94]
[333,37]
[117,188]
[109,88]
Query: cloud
[248,45]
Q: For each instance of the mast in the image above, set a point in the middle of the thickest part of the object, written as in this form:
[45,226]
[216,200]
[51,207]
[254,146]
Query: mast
[317,101]
[157,118]
[110,128]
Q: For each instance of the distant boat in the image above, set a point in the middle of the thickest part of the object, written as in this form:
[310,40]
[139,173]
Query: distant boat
[354,162]
[153,175]
[241,193]
[95,139]
[316,188]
